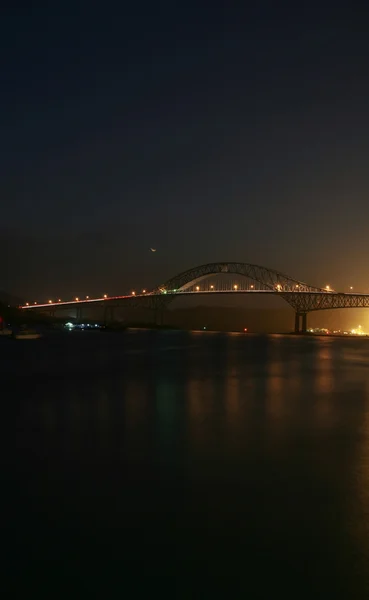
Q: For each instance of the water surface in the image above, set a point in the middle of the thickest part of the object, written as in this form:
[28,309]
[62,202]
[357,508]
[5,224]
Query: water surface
[206,464]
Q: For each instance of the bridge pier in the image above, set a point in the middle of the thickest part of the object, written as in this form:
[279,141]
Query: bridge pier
[159,316]
[303,317]
[108,314]
[78,314]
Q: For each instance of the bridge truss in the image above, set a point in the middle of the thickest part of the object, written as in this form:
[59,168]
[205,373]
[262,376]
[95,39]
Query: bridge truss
[267,278]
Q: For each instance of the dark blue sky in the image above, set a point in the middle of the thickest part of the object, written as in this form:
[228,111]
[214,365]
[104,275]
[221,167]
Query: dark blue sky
[208,130]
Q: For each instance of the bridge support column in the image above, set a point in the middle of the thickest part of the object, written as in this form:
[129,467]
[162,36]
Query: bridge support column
[108,314]
[159,316]
[303,317]
[79,314]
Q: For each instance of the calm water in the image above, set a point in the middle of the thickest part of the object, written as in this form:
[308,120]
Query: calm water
[187,464]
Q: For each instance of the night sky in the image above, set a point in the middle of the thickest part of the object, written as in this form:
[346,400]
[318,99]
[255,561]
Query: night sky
[208,130]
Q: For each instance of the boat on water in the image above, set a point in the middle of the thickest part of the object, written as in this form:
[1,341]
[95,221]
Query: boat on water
[27,335]
[6,332]
[24,333]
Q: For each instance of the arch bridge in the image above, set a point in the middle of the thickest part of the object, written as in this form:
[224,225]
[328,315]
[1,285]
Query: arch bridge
[302,297]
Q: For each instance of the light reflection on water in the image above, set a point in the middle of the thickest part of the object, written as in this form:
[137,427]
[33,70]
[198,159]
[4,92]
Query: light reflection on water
[252,451]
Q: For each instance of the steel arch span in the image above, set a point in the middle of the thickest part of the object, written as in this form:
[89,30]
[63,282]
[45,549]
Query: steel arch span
[269,278]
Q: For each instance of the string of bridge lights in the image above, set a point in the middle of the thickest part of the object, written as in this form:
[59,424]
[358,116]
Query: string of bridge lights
[197,288]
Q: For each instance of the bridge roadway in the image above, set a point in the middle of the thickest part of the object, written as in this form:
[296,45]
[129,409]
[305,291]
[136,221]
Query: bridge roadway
[303,302]
[303,298]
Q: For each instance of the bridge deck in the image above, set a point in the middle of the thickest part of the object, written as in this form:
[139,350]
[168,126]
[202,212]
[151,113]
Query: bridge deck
[301,300]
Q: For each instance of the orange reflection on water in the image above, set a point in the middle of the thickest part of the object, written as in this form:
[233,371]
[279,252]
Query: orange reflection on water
[200,405]
[274,388]
[323,383]
[232,397]
[324,411]
[200,399]
[195,405]
[293,376]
